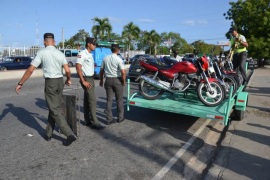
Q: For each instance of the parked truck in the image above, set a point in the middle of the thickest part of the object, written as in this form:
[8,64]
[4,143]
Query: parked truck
[103,49]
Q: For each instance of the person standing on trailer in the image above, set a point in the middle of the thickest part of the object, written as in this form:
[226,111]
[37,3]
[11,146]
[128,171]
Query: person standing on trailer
[239,45]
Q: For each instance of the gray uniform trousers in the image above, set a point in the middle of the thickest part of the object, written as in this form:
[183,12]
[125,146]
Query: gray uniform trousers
[53,95]
[239,63]
[114,86]
[90,103]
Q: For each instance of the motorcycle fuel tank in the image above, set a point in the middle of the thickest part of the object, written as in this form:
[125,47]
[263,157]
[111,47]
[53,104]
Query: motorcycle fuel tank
[180,67]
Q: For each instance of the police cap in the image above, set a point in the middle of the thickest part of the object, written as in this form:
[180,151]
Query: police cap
[115,46]
[48,35]
[91,40]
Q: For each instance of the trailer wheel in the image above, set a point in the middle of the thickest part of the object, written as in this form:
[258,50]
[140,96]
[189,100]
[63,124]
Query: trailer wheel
[239,115]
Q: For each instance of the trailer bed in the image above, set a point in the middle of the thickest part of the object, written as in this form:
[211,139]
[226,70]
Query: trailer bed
[189,104]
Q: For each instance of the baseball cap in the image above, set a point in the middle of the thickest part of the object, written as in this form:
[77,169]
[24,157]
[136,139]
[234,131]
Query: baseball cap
[233,29]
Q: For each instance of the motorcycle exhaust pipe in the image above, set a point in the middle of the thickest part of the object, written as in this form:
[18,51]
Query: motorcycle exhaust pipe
[156,83]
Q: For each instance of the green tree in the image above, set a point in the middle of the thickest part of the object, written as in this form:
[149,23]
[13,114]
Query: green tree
[175,41]
[130,32]
[76,40]
[102,29]
[252,18]
[153,39]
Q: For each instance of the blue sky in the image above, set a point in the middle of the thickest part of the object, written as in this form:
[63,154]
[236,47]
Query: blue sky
[193,19]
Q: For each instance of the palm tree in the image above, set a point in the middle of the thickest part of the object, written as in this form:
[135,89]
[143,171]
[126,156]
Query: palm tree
[130,32]
[102,29]
[153,39]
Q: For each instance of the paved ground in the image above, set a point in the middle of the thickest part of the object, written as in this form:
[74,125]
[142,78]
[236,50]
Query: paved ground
[138,148]
[245,150]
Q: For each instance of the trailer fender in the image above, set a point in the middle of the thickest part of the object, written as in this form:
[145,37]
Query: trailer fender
[241,101]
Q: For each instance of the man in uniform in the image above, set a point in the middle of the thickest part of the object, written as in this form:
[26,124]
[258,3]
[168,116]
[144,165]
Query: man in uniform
[52,61]
[114,70]
[239,45]
[85,69]
[175,56]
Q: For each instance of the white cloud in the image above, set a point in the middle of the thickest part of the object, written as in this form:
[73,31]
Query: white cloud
[202,21]
[113,19]
[147,20]
[189,22]
[14,25]
[195,22]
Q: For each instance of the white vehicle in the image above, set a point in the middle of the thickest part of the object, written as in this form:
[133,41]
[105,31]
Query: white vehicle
[71,56]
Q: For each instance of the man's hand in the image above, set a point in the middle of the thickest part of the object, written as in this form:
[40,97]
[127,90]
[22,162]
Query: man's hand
[68,82]
[86,84]
[101,83]
[18,88]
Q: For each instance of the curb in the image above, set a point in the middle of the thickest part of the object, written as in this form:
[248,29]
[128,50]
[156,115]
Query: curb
[17,74]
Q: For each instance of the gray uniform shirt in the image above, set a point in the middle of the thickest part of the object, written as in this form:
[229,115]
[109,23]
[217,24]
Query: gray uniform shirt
[52,62]
[87,61]
[112,65]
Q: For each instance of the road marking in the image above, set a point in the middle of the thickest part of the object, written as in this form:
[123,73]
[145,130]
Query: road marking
[181,151]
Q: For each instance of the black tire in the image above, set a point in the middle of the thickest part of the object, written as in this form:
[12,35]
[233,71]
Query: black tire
[3,69]
[239,115]
[70,64]
[149,91]
[230,81]
[209,99]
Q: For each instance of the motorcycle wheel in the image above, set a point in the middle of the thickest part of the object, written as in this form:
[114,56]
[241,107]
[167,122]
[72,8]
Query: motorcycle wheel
[208,98]
[230,81]
[149,91]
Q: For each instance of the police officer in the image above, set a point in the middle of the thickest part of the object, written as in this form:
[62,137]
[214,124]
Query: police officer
[52,61]
[85,69]
[114,70]
[239,45]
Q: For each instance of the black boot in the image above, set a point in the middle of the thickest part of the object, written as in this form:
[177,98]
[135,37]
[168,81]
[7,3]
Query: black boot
[69,140]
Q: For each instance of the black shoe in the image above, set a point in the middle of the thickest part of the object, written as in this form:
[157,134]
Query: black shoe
[98,127]
[47,138]
[88,124]
[111,122]
[70,139]
[120,120]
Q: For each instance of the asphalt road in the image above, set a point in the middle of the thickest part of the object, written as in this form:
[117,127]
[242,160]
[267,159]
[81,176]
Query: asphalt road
[149,144]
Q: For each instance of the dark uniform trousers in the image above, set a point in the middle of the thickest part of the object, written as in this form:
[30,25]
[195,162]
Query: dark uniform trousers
[53,95]
[239,63]
[90,102]
[113,87]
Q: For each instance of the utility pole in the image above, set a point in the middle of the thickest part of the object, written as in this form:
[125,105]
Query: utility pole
[63,43]
[37,33]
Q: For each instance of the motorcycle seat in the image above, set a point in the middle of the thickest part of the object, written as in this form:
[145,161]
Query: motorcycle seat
[161,67]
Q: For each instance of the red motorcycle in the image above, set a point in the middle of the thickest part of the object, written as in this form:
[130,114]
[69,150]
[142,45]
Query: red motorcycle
[181,76]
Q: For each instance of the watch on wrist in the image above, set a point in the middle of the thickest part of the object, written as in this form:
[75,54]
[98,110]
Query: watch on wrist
[20,84]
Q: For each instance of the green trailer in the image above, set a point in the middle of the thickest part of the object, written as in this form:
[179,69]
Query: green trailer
[189,104]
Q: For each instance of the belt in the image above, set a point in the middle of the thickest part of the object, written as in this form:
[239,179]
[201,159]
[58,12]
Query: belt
[55,78]
[113,77]
[88,76]
[239,52]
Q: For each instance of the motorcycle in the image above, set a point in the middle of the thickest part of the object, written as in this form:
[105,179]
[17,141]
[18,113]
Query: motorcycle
[227,80]
[180,77]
